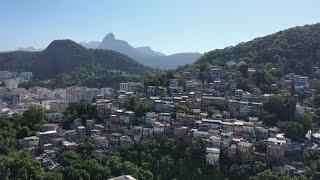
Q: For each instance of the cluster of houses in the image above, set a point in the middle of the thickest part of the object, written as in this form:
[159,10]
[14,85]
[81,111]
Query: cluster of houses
[11,80]
[229,129]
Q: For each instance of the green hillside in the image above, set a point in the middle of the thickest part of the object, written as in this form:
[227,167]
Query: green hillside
[295,49]
[66,63]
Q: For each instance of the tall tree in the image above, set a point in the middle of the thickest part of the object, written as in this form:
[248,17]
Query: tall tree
[34,117]
[294,130]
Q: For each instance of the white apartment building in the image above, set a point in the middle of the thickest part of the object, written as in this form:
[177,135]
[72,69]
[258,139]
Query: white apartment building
[12,83]
[76,94]
[130,86]
[26,75]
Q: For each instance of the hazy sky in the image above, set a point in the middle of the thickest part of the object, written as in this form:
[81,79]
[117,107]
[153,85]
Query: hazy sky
[166,25]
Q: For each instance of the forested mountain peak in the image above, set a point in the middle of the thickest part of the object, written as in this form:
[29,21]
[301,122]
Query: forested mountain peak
[63,45]
[68,59]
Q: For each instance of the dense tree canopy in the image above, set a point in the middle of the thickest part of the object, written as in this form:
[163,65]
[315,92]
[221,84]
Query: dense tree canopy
[34,116]
[294,130]
[139,107]
[81,110]
[292,50]
[20,165]
[305,120]
[180,109]
[243,84]
[282,107]
[159,158]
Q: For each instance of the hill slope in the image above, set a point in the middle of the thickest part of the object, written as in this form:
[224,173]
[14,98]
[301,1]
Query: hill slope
[297,49]
[18,60]
[65,57]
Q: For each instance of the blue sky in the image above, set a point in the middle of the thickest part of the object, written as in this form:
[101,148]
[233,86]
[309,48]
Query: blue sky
[169,26]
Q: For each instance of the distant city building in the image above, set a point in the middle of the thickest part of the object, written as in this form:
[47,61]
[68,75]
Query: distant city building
[212,156]
[301,82]
[77,94]
[12,83]
[130,86]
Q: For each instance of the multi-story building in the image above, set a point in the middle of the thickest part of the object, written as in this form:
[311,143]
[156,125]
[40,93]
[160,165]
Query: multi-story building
[76,94]
[245,150]
[214,73]
[276,150]
[26,75]
[5,75]
[256,108]
[301,82]
[213,101]
[12,83]
[212,156]
[130,86]
[243,109]
[173,83]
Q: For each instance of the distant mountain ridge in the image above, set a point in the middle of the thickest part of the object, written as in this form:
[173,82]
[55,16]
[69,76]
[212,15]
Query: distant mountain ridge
[90,45]
[29,49]
[70,58]
[148,51]
[25,49]
[144,55]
